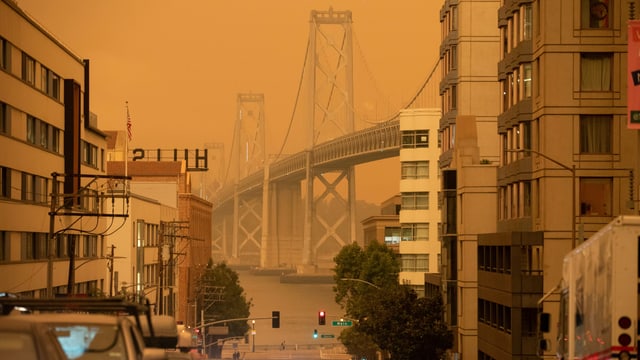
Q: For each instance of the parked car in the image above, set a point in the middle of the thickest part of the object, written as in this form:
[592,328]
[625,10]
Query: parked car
[22,337]
[87,328]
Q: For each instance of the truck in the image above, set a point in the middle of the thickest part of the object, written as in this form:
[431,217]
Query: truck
[598,315]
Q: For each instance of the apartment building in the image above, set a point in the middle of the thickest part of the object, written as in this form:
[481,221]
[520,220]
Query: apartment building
[167,244]
[385,227]
[568,162]
[52,166]
[419,247]
[470,96]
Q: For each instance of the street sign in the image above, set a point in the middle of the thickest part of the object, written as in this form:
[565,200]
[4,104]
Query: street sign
[327,336]
[218,330]
[342,323]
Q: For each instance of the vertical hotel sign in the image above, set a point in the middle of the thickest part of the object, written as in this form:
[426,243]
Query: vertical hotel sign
[633,80]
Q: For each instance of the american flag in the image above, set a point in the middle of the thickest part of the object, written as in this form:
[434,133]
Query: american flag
[129,125]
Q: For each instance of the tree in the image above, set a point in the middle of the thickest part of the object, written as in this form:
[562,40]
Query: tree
[408,327]
[386,313]
[377,265]
[358,343]
[232,302]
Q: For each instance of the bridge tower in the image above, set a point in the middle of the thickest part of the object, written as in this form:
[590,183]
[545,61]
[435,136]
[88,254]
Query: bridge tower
[331,115]
[249,157]
[250,153]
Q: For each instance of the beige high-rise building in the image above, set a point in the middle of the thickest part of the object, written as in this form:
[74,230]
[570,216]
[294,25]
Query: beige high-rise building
[470,154]
[568,164]
[558,164]
[419,247]
[49,144]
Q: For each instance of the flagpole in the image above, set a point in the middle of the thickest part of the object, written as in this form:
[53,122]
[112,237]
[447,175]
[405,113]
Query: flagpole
[126,138]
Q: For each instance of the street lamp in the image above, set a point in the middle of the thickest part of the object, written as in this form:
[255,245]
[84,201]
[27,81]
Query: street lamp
[253,334]
[362,281]
[573,187]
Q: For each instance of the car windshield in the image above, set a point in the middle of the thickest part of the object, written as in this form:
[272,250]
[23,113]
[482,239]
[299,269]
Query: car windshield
[90,341]
[17,346]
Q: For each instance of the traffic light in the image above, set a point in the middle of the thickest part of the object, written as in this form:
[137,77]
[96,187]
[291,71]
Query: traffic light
[315,333]
[275,319]
[322,317]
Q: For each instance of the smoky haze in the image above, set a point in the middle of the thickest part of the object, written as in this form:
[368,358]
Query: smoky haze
[181,66]
[298,305]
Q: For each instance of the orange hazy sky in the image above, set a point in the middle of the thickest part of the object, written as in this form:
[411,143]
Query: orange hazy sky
[181,64]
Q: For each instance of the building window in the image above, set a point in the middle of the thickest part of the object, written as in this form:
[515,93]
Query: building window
[527,22]
[41,189]
[28,69]
[531,257]
[529,322]
[61,246]
[391,235]
[415,200]
[4,54]
[44,134]
[526,135]
[72,244]
[494,315]
[89,154]
[415,170]
[31,129]
[414,262]
[495,259]
[415,232]
[527,85]
[454,97]
[90,246]
[595,71]
[595,14]
[4,246]
[50,83]
[526,198]
[55,140]
[415,139]
[596,134]
[505,42]
[595,196]
[454,57]
[505,95]
[33,246]
[4,118]
[89,200]
[5,182]
[28,187]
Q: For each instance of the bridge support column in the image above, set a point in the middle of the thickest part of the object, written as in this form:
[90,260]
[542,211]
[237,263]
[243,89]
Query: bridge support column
[266,240]
[308,213]
[236,211]
[283,245]
[352,202]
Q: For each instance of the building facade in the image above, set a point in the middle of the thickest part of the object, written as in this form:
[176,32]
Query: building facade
[568,163]
[170,235]
[469,93]
[52,166]
[384,228]
[419,247]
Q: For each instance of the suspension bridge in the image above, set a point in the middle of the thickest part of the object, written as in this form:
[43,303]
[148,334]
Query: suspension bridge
[297,208]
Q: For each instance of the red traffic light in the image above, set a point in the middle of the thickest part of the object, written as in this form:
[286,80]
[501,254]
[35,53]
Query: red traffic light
[322,317]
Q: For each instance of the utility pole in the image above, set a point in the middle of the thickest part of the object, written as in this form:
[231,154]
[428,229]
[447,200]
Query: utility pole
[110,265]
[72,207]
[161,265]
[52,234]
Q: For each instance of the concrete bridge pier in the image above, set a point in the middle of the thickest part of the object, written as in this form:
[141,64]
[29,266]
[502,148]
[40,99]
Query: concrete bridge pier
[282,226]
